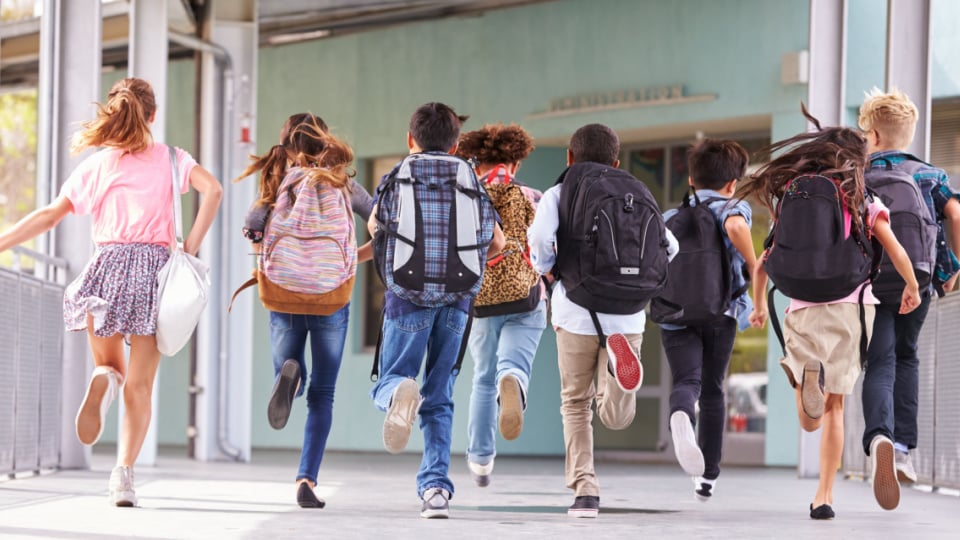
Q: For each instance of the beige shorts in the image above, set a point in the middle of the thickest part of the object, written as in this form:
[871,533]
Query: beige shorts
[829,333]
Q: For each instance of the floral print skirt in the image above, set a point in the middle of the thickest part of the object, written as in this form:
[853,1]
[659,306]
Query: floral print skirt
[118,288]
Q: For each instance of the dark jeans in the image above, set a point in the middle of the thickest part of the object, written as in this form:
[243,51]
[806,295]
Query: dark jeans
[891,380]
[698,357]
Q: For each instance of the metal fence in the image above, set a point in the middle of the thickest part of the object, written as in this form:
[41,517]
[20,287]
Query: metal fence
[31,345]
[937,456]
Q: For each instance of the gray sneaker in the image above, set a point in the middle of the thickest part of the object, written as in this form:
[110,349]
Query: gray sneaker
[121,487]
[480,474]
[436,504]
[905,471]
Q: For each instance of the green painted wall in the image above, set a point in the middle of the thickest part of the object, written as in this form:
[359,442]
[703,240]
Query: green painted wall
[505,66]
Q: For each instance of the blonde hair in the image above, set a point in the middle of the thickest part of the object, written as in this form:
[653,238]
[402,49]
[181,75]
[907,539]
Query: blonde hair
[124,122]
[891,114]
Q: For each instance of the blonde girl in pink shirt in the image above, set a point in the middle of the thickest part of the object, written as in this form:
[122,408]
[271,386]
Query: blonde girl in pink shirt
[127,188]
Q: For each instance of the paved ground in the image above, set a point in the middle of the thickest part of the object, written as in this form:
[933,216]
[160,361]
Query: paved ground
[373,496]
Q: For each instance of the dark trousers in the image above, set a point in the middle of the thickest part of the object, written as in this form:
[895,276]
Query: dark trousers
[891,380]
[698,358]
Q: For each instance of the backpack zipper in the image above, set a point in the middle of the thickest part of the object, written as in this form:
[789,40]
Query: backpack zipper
[613,235]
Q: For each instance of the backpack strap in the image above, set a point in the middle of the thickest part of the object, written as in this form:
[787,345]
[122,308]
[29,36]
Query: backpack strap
[463,342]
[375,371]
[596,324]
[246,285]
[774,320]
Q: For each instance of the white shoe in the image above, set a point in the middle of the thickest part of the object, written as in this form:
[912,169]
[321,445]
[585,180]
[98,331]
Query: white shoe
[905,471]
[480,473]
[404,406]
[121,487]
[102,390]
[436,504]
[685,444]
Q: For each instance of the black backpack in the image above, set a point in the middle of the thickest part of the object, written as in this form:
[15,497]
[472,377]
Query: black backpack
[611,243]
[808,258]
[911,222]
[700,280]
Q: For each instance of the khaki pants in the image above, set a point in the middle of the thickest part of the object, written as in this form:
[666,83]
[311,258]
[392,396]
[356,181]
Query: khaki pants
[582,361]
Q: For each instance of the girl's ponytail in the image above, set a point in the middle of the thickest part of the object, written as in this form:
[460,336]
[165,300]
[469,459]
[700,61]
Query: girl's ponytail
[124,122]
[272,167]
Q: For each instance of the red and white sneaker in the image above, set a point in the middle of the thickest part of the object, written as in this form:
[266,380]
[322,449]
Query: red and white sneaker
[624,363]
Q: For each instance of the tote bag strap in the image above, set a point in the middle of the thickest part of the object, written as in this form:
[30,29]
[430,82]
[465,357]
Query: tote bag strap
[177,217]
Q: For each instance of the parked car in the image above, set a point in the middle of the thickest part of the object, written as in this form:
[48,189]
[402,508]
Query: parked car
[747,401]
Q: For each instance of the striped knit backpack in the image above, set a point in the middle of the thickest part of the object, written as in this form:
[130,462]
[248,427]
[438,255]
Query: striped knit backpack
[308,259]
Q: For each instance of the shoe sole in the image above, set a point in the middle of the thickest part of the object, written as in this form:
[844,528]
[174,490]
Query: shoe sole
[885,486]
[281,398]
[811,396]
[583,513]
[124,501]
[481,480]
[627,369]
[689,457]
[399,419]
[435,514]
[89,423]
[511,408]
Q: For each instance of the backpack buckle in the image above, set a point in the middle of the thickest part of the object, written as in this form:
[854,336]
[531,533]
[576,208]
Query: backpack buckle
[628,207]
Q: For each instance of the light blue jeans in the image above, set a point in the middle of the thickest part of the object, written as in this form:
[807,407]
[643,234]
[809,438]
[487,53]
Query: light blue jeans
[288,340]
[499,345]
[436,334]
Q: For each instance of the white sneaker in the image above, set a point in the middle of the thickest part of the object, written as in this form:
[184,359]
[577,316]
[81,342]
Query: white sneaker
[480,473]
[121,487]
[399,420]
[685,444]
[883,473]
[905,471]
[102,390]
[436,504]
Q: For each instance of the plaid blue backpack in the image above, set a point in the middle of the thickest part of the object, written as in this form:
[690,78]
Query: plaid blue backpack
[434,223]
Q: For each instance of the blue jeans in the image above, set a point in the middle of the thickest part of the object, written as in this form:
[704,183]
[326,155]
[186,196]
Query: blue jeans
[500,345]
[698,358]
[288,339]
[435,333]
[891,380]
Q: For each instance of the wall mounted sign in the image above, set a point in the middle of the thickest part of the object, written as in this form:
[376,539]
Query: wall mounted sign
[622,99]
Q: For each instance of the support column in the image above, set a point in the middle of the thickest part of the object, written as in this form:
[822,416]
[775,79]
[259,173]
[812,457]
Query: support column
[224,341]
[908,62]
[70,66]
[147,60]
[825,101]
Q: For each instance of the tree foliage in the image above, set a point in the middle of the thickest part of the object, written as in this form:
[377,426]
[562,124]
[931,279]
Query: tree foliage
[18,155]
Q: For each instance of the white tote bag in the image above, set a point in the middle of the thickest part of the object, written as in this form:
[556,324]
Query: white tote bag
[182,285]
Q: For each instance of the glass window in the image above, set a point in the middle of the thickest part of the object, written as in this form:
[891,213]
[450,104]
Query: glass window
[373,287]
[647,165]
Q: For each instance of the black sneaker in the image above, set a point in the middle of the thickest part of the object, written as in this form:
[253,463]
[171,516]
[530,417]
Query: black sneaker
[824,511]
[584,506]
[284,390]
[436,504]
[306,498]
[703,488]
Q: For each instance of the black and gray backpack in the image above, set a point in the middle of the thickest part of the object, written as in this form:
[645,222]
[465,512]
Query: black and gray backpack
[700,277]
[611,243]
[911,222]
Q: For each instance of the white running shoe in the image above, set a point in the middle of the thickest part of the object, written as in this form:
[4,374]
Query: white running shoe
[685,444]
[102,390]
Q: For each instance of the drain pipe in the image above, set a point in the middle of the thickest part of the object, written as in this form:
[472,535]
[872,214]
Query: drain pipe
[226,115]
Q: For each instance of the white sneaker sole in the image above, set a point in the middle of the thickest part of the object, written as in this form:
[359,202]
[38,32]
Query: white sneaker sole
[90,417]
[435,514]
[688,453]
[582,513]
[399,420]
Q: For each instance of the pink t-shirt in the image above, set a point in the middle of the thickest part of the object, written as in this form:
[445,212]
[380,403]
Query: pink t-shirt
[128,195]
[875,210]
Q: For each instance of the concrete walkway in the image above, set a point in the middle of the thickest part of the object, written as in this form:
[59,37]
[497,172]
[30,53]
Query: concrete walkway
[373,496]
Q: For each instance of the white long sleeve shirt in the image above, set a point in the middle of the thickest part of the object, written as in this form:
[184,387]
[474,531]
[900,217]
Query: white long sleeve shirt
[542,236]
